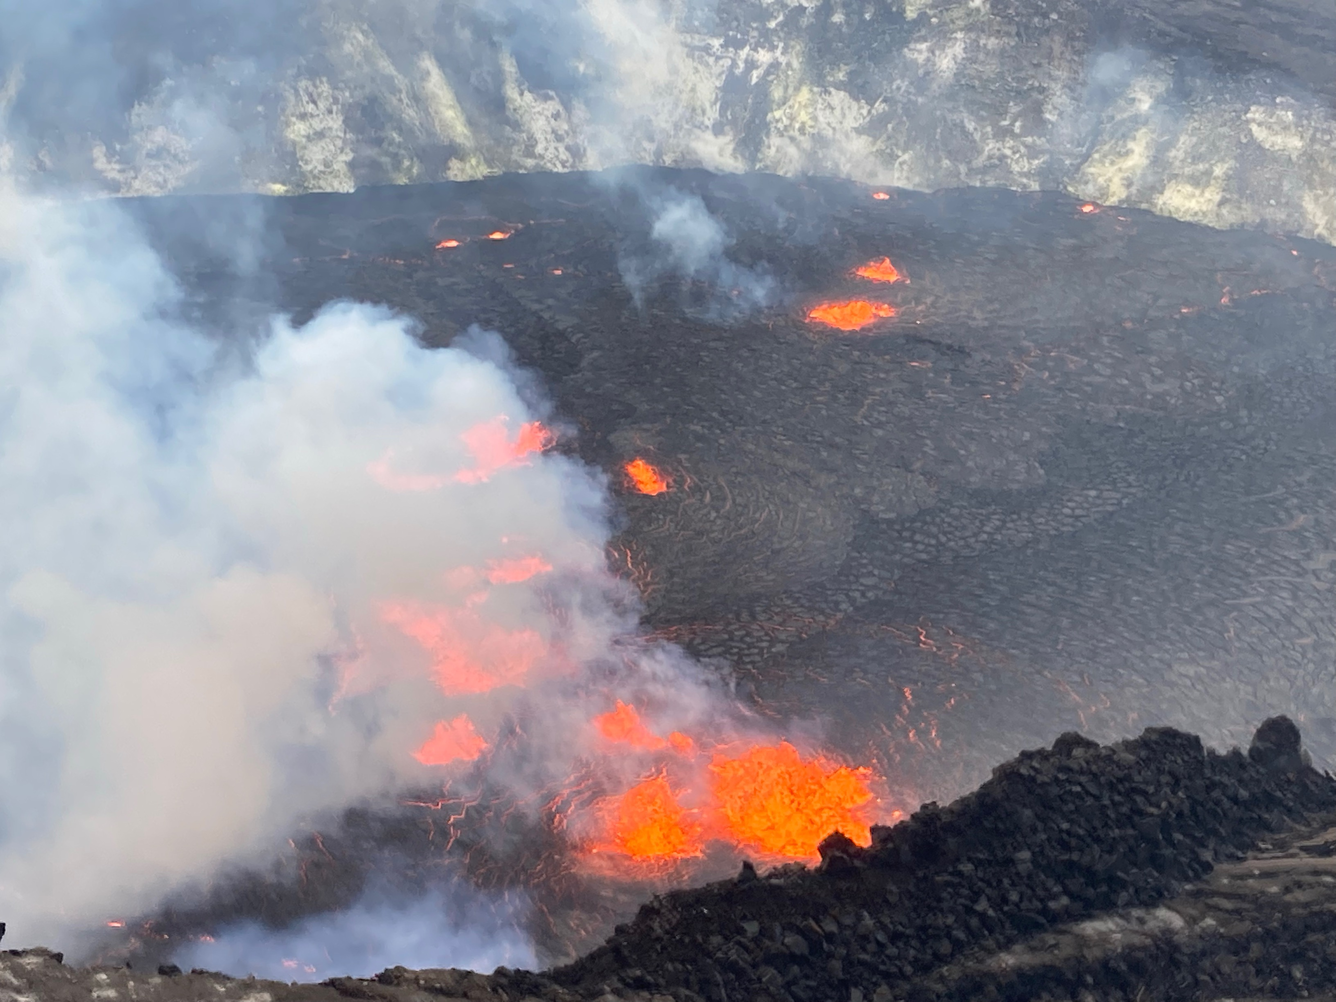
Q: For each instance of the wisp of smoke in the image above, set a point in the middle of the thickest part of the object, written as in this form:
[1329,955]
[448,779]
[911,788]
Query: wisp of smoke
[236,597]
[460,929]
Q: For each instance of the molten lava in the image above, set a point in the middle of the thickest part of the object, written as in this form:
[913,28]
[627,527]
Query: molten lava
[647,822]
[457,741]
[498,235]
[773,800]
[468,653]
[1089,207]
[645,478]
[516,570]
[850,315]
[623,723]
[879,270]
[493,449]
[447,244]
[880,196]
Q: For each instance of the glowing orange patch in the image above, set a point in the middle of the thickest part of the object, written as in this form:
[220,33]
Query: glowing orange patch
[493,449]
[623,723]
[880,196]
[468,653]
[457,741]
[645,478]
[880,270]
[447,244]
[682,743]
[1089,207]
[498,235]
[773,800]
[647,822]
[516,570]
[850,315]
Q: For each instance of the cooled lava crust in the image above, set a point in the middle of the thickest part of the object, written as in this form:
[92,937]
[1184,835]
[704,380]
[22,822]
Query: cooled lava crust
[1083,479]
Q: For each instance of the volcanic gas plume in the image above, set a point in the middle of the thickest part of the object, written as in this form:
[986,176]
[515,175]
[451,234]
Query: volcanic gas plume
[240,595]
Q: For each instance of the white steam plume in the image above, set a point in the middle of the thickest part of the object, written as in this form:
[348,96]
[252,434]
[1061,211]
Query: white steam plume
[235,597]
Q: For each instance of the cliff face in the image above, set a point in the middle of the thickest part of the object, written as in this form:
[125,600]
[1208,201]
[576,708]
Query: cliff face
[1209,111]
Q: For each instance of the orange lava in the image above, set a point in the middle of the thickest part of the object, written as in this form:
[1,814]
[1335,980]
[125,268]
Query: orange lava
[498,235]
[850,315]
[447,244]
[516,570]
[645,478]
[880,196]
[493,449]
[457,741]
[623,723]
[880,270]
[682,743]
[468,653]
[773,800]
[1089,207]
[647,822]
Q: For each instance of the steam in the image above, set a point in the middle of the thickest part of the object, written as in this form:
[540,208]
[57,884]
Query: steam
[221,578]
[687,242]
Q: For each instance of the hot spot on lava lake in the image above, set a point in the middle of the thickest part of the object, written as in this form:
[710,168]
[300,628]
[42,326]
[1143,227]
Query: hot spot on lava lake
[645,478]
[849,314]
[879,270]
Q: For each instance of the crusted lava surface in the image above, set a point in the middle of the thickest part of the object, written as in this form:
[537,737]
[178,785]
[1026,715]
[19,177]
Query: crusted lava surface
[1082,479]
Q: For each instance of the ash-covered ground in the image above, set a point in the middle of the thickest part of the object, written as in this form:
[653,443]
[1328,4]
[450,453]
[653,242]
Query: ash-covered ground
[1082,480]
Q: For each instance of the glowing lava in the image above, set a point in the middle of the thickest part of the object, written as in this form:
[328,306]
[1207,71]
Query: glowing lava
[516,570]
[880,270]
[468,653]
[457,741]
[493,449]
[880,196]
[498,235]
[1089,207]
[850,315]
[647,822]
[645,478]
[773,800]
[447,244]
[623,723]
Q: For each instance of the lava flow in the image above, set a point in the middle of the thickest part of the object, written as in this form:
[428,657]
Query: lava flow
[648,823]
[879,270]
[456,741]
[850,315]
[447,244]
[493,449]
[645,478]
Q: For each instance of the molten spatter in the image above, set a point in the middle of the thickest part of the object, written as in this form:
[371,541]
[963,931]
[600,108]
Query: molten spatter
[879,270]
[645,478]
[623,723]
[456,741]
[881,196]
[493,449]
[647,823]
[850,315]
[447,244]
[468,653]
[498,235]
[773,800]
[1089,207]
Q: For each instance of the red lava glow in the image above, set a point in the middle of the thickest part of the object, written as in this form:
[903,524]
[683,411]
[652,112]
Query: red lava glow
[115,924]
[880,270]
[850,315]
[1089,207]
[456,741]
[468,654]
[623,724]
[647,823]
[773,800]
[498,235]
[556,271]
[645,478]
[447,244]
[881,196]
[493,449]
[516,570]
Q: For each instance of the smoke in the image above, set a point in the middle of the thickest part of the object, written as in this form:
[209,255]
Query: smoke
[240,590]
[687,242]
[461,929]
